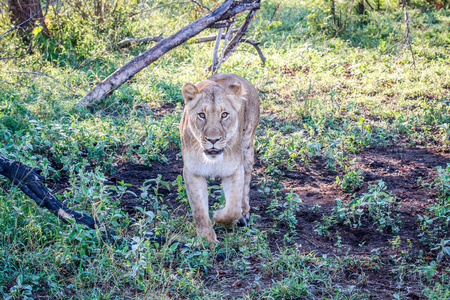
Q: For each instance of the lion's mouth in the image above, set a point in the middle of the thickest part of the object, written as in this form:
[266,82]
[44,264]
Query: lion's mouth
[213,151]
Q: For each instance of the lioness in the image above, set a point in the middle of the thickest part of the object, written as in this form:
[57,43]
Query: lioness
[217,129]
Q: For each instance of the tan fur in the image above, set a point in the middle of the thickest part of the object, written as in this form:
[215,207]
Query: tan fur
[221,114]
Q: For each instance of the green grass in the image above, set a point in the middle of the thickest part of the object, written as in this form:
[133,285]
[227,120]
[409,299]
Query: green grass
[324,95]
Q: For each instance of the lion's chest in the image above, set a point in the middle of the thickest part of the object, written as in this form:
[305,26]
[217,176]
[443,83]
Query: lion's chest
[206,167]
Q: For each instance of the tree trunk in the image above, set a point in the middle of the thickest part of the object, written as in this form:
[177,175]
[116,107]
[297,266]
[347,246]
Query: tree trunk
[360,9]
[25,13]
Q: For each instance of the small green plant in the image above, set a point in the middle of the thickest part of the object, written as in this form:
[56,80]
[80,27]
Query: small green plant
[442,183]
[271,182]
[395,242]
[445,135]
[315,208]
[443,248]
[441,209]
[20,290]
[377,204]
[285,212]
[322,228]
[352,180]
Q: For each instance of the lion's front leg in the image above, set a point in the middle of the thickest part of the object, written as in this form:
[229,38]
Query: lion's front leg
[249,158]
[197,192]
[233,187]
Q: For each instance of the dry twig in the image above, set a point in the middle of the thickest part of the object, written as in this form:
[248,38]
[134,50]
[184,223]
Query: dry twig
[215,52]
[12,83]
[49,76]
[408,33]
[9,57]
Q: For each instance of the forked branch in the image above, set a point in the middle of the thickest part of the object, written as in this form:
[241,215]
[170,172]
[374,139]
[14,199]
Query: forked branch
[224,12]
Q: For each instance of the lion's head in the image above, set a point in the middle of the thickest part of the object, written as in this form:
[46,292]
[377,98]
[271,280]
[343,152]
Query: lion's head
[214,114]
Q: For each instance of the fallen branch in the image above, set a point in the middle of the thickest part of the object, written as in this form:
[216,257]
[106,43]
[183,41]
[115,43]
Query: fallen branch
[215,67]
[144,41]
[221,24]
[225,11]
[204,39]
[32,184]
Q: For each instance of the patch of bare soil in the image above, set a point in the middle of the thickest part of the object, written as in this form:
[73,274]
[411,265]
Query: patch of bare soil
[399,168]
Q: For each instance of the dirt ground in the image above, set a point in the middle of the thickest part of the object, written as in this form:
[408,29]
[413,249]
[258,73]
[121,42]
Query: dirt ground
[399,168]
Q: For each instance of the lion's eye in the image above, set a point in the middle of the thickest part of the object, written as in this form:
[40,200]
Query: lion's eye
[201,115]
[224,115]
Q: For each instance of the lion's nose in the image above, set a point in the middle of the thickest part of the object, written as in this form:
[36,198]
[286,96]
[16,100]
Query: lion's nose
[213,141]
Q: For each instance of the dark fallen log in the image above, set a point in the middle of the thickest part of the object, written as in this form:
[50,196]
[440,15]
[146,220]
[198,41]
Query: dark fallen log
[227,10]
[32,184]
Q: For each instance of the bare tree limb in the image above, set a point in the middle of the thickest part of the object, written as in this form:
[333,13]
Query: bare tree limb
[215,51]
[156,7]
[130,41]
[204,39]
[201,5]
[225,11]
[240,7]
[408,33]
[221,24]
[143,41]
[255,44]
[227,35]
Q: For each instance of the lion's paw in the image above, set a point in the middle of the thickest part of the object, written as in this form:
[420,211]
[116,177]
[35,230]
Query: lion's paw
[243,220]
[224,217]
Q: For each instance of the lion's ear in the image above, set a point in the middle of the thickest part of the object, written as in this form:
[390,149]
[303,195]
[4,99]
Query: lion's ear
[235,89]
[189,92]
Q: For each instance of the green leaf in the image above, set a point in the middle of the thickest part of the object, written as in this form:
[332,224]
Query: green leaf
[166,184]
[36,30]
[446,250]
